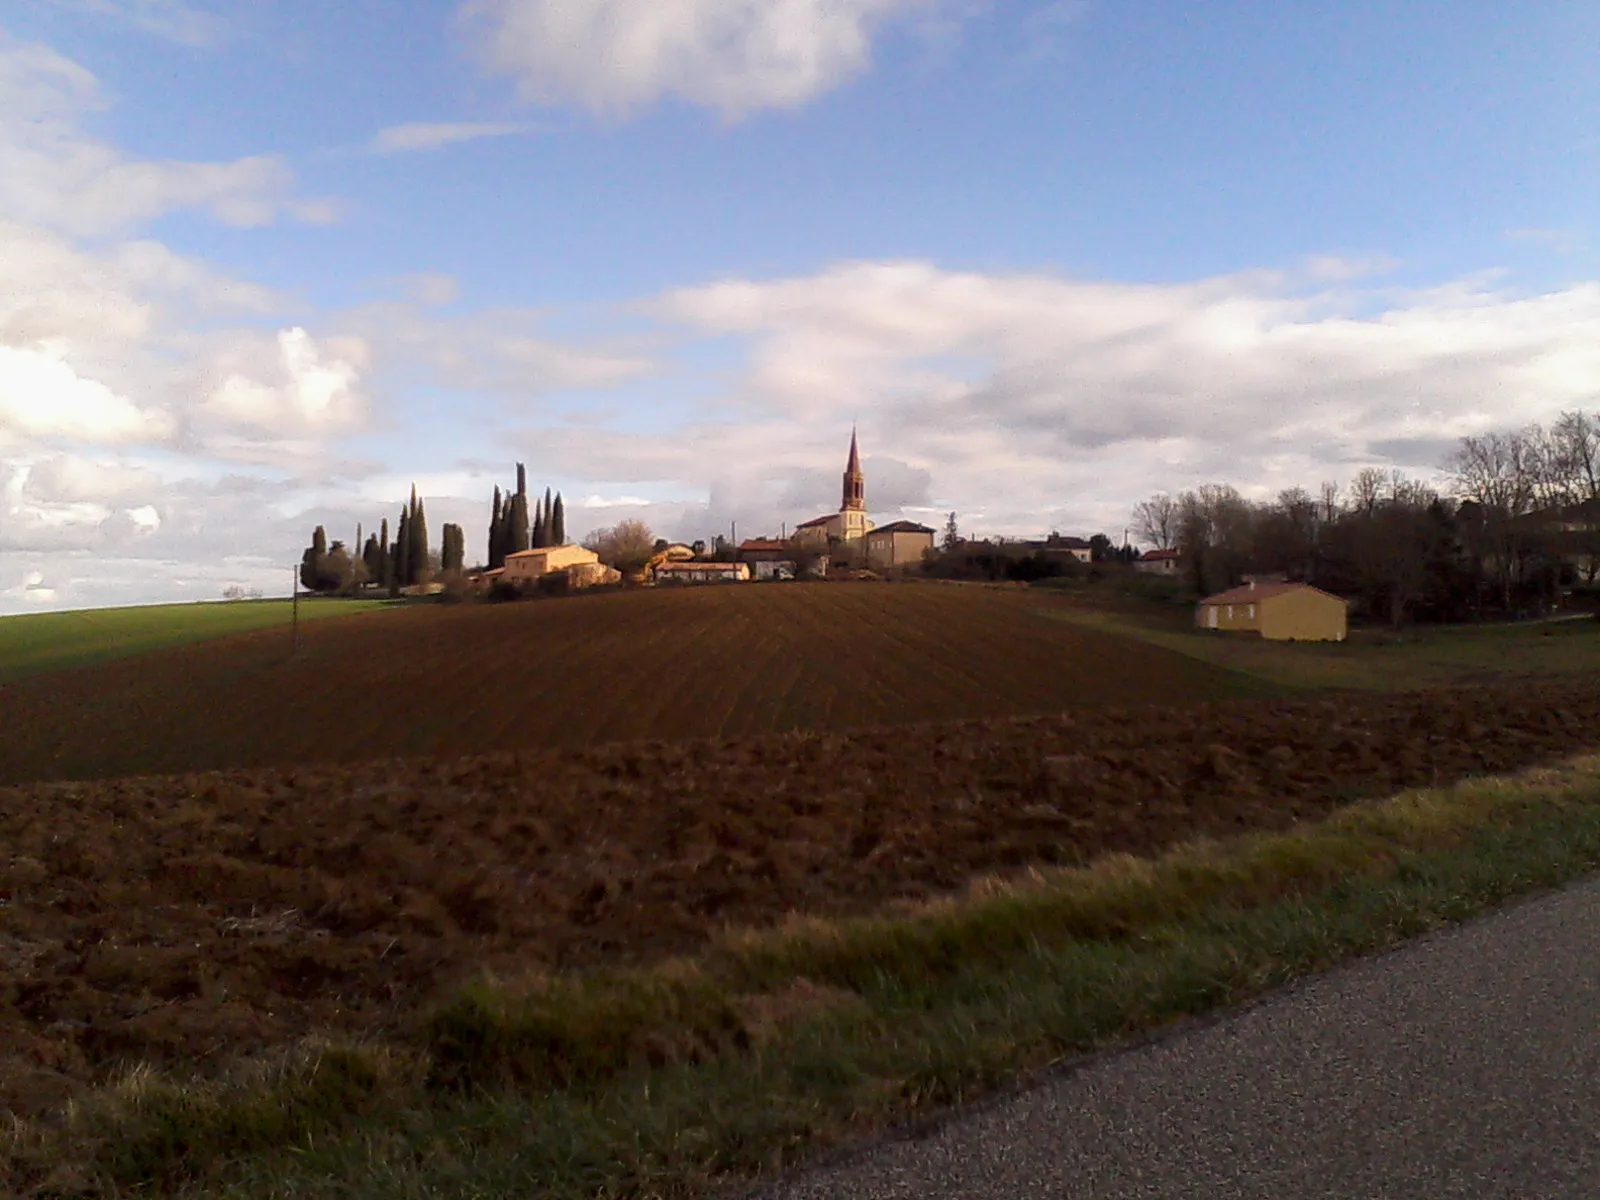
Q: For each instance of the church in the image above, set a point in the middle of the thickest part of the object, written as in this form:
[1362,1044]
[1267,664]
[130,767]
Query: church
[846,529]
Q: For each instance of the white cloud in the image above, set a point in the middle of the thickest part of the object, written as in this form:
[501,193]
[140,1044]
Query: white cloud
[432,136]
[41,396]
[297,386]
[734,56]
[505,350]
[173,20]
[1033,401]
[1560,241]
[430,289]
[54,173]
[31,591]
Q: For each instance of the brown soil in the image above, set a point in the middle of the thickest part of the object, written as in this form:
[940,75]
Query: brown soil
[193,918]
[667,664]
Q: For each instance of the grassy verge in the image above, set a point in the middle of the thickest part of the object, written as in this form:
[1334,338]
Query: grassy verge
[664,1082]
[34,643]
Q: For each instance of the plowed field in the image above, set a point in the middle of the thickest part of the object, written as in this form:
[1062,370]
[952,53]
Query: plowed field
[198,917]
[667,664]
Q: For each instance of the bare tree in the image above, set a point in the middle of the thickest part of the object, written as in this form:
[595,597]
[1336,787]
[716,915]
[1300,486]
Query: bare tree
[1577,447]
[1216,528]
[1577,443]
[627,545]
[1157,521]
[1368,489]
[1494,472]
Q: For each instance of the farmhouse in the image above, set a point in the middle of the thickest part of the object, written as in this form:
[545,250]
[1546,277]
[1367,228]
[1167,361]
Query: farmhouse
[1276,611]
[526,566]
[1158,562]
[847,527]
[702,572]
[898,544]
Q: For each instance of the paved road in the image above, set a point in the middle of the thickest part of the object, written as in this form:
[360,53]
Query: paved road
[1463,1065]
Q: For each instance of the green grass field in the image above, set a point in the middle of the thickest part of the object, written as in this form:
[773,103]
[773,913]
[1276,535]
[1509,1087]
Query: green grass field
[38,642]
[1371,660]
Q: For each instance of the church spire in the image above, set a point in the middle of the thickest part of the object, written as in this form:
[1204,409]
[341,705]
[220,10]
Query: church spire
[855,483]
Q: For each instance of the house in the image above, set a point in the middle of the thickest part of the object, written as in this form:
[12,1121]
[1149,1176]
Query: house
[1065,547]
[702,572]
[1277,611]
[678,552]
[1158,562]
[898,544]
[774,568]
[526,566]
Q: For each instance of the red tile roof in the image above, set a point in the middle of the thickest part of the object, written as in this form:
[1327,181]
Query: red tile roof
[763,544]
[1158,555]
[1248,594]
[816,521]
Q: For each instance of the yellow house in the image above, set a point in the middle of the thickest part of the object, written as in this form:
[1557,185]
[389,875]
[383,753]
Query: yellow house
[1280,612]
[526,566]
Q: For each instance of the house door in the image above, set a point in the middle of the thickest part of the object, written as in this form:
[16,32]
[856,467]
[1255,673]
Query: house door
[1211,616]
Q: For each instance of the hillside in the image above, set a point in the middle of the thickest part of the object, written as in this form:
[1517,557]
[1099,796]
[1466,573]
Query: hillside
[568,673]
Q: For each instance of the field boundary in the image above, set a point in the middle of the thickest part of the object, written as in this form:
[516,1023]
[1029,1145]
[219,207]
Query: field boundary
[745,1060]
[33,644]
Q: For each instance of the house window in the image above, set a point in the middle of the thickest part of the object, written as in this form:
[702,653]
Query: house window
[1251,612]
[1230,612]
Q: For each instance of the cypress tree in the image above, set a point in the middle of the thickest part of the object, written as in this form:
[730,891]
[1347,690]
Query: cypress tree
[538,524]
[558,523]
[419,545]
[517,535]
[383,574]
[549,534]
[311,560]
[402,551]
[522,480]
[495,559]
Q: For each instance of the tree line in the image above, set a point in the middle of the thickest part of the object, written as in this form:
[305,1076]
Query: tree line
[408,560]
[1513,520]
[405,562]
[512,529]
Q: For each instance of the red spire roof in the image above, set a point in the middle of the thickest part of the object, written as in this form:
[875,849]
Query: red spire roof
[853,467]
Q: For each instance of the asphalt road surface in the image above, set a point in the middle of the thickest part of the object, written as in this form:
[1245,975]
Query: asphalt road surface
[1466,1064]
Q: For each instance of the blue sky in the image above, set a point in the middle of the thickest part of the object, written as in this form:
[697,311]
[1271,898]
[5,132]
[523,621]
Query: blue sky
[265,265]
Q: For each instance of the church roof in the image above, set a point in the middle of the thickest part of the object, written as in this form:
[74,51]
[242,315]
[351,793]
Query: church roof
[817,521]
[902,527]
[853,467]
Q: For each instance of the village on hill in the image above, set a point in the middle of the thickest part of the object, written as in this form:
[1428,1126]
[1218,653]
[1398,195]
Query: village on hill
[1515,532]
[529,550]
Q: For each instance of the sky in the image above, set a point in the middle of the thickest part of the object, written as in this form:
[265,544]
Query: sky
[263,267]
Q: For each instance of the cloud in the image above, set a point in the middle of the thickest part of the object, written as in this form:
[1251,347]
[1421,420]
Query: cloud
[171,20]
[32,591]
[734,56]
[41,396]
[430,289]
[432,136]
[295,385]
[1561,241]
[1034,401]
[503,350]
[54,173]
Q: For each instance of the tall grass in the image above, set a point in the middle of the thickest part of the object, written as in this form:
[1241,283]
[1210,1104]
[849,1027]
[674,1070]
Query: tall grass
[661,1081]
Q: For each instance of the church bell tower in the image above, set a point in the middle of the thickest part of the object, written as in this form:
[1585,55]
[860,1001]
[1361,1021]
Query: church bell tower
[855,483]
